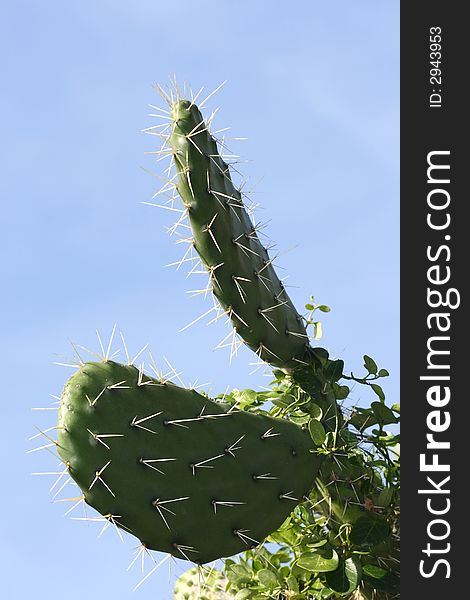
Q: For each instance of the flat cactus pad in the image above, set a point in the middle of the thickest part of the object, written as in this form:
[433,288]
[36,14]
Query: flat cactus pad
[175,469]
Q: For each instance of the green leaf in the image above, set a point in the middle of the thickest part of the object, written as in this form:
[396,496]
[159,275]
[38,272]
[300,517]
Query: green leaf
[380,579]
[267,579]
[247,397]
[385,497]
[370,364]
[348,437]
[310,307]
[324,308]
[287,536]
[315,411]
[374,571]
[238,574]
[362,418]
[292,584]
[243,594]
[346,577]
[341,391]
[379,391]
[320,354]
[383,414]
[334,371]
[317,432]
[284,571]
[383,373]
[369,531]
[317,544]
[322,561]
[396,408]
[280,401]
[299,419]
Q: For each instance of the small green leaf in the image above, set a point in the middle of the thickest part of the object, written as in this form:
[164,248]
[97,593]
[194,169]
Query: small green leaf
[284,571]
[370,364]
[292,584]
[369,531]
[385,497]
[396,408]
[301,419]
[280,401]
[334,370]
[324,308]
[287,536]
[348,437]
[346,577]
[267,579]
[243,594]
[282,556]
[317,544]
[380,579]
[238,574]
[248,396]
[317,432]
[321,561]
[321,354]
[310,307]
[341,391]
[383,414]
[383,373]
[314,411]
[379,391]
[374,571]
[362,418]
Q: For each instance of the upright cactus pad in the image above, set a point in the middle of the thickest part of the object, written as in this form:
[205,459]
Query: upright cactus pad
[241,272]
[173,468]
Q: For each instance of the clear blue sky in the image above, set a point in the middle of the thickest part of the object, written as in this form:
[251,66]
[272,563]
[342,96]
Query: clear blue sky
[313,85]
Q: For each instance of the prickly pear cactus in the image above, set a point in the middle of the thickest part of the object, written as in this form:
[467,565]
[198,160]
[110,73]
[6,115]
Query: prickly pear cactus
[197,585]
[173,468]
[241,272]
[200,479]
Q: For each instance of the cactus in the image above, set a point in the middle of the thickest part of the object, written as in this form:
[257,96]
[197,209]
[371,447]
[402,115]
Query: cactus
[200,480]
[242,276]
[194,585]
[241,272]
[173,468]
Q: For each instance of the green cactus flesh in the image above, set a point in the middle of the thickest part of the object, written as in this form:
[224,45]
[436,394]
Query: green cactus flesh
[241,272]
[173,468]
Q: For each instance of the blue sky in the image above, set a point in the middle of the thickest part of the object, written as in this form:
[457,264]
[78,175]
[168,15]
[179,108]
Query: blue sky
[313,86]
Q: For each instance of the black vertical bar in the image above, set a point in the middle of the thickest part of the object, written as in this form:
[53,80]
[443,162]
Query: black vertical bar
[435,253]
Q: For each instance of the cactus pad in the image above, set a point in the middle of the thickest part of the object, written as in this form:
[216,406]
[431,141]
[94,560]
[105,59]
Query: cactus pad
[241,272]
[196,585]
[173,468]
